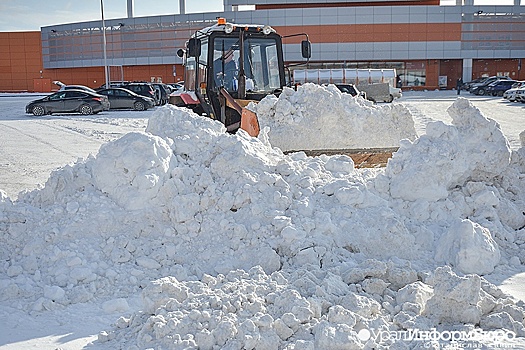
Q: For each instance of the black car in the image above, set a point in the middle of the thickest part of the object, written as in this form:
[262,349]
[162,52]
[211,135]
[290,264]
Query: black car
[120,98]
[499,87]
[466,86]
[68,101]
[481,87]
[143,89]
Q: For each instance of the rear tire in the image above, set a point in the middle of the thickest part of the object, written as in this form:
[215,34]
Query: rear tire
[481,92]
[86,110]
[139,106]
[38,111]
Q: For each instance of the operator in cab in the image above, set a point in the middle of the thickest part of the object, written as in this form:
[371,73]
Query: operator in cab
[226,70]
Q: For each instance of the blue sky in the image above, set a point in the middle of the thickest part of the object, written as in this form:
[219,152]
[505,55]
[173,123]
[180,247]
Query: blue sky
[29,15]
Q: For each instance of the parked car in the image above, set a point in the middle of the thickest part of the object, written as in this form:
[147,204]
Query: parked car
[68,101]
[120,98]
[163,92]
[520,95]
[351,89]
[466,86]
[177,87]
[480,88]
[143,89]
[498,87]
[510,94]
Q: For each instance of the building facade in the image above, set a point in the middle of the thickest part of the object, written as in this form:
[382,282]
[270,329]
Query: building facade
[429,44]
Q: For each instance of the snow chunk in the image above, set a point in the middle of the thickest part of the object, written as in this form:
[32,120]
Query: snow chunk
[132,169]
[115,305]
[469,247]
[455,298]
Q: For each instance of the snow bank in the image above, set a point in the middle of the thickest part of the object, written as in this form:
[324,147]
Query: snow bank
[313,309]
[232,244]
[472,148]
[326,118]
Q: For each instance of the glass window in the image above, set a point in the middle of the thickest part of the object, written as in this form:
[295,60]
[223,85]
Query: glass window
[260,63]
[190,73]
[414,74]
[226,63]
[58,96]
[75,94]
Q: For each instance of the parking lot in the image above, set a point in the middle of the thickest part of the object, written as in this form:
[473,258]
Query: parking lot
[32,147]
[432,105]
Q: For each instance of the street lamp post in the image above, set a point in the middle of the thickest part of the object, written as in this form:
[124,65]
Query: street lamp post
[106,75]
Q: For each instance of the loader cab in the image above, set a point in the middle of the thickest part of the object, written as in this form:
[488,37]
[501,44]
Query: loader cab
[236,63]
[258,62]
[256,56]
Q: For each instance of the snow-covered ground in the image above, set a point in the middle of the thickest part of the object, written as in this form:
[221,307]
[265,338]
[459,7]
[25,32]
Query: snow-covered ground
[176,235]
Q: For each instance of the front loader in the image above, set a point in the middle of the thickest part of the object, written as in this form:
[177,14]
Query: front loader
[227,66]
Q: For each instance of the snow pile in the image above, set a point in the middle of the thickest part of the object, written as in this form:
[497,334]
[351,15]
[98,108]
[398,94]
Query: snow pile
[231,244]
[471,148]
[317,117]
[310,308]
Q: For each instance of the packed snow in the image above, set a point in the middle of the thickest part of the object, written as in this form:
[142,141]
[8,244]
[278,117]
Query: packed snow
[332,120]
[193,238]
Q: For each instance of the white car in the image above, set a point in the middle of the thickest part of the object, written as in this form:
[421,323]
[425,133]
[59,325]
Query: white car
[520,95]
[510,94]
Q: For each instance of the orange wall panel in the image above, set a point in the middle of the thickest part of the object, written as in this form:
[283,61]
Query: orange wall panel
[16,36]
[18,57]
[376,32]
[17,48]
[23,61]
[18,69]
[5,76]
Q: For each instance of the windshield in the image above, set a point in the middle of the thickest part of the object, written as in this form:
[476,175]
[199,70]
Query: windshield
[261,66]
